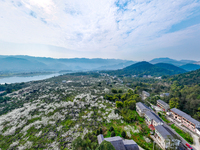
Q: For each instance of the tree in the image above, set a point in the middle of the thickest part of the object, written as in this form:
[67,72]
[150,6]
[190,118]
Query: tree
[115,97]
[113,90]
[123,134]
[124,97]
[111,129]
[77,143]
[130,92]
[119,104]
[97,132]
[174,103]
[119,91]
[112,133]
[126,103]
[132,104]
[100,131]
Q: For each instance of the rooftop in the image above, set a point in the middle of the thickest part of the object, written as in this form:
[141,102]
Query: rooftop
[153,116]
[163,103]
[186,116]
[142,106]
[119,143]
[163,132]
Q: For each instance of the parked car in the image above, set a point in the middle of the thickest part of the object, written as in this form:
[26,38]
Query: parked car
[188,145]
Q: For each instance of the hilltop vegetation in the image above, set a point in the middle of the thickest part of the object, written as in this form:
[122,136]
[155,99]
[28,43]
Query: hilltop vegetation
[175,69]
[190,78]
[145,68]
[190,67]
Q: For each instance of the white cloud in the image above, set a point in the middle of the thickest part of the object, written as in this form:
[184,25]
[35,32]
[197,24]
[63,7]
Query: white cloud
[100,25]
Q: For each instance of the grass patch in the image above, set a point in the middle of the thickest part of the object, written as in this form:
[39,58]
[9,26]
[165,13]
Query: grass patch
[185,135]
[163,118]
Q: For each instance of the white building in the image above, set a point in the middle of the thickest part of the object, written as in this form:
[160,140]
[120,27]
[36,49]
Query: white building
[152,120]
[165,139]
[142,108]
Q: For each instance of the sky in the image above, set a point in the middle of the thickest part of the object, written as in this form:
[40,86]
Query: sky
[121,29]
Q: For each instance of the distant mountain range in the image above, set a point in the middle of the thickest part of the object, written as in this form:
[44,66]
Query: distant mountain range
[171,61]
[146,68]
[20,63]
[188,65]
[28,63]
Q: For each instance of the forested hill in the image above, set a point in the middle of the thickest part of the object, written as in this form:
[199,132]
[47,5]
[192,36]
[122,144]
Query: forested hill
[190,67]
[145,68]
[190,78]
[171,67]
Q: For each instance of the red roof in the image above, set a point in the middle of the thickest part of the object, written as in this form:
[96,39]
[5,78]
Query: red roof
[151,127]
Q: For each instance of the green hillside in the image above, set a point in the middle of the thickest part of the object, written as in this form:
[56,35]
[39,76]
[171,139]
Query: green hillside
[190,78]
[190,67]
[145,68]
[171,67]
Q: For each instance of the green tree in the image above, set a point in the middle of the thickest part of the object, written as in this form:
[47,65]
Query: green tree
[174,103]
[119,104]
[119,91]
[130,92]
[132,104]
[115,97]
[123,134]
[126,103]
[112,133]
[111,129]
[113,90]
[100,131]
[97,132]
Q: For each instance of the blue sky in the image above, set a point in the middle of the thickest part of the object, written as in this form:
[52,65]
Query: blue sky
[125,29]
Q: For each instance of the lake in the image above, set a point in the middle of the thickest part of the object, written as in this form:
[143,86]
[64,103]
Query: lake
[16,79]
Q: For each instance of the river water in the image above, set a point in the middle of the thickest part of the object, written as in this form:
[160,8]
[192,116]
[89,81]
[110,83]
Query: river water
[16,79]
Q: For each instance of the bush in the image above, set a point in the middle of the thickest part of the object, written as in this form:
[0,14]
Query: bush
[111,129]
[97,132]
[117,111]
[112,133]
[123,134]
[120,91]
[113,90]
[100,131]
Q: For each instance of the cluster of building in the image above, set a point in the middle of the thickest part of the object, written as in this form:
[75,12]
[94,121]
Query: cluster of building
[119,143]
[162,136]
[181,117]
[186,120]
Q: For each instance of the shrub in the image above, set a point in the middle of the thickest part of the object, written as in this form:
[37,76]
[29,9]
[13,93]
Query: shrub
[117,111]
[111,129]
[112,133]
[97,132]
[120,91]
[100,131]
[123,134]
[113,90]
